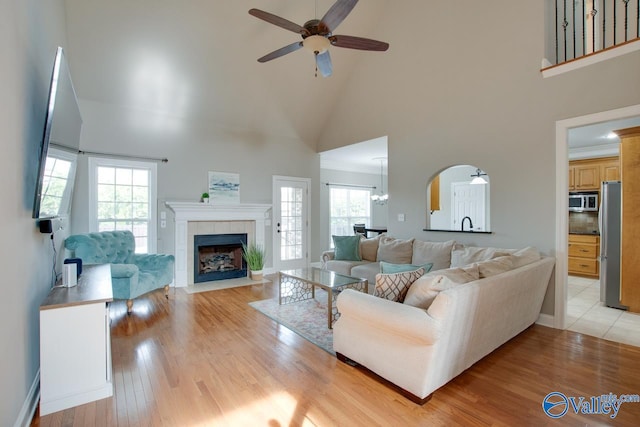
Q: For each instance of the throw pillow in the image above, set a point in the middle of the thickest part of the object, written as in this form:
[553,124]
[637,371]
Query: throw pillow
[438,253]
[390,268]
[347,248]
[470,254]
[525,256]
[369,248]
[395,250]
[424,290]
[495,266]
[394,286]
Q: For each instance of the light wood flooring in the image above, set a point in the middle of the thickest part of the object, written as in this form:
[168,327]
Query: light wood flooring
[210,359]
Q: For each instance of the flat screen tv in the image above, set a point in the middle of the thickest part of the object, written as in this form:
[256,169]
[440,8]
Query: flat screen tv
[60,145]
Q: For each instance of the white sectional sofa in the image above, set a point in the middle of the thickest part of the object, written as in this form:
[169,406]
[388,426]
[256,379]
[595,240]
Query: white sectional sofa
[420,348]
[392,250]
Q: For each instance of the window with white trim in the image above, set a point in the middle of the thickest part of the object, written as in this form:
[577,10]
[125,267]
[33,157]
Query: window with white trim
[348,206]
[122,196]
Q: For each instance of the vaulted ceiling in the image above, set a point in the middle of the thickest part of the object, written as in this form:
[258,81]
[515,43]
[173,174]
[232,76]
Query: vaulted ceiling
[197,60]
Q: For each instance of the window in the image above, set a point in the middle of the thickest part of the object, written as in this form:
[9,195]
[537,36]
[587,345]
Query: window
[57,185]
[348,207]
[123,197]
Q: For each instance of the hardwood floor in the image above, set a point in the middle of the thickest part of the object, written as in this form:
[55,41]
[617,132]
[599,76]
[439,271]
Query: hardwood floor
[211,359]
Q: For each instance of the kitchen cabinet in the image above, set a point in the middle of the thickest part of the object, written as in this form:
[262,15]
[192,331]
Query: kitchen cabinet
[75,342]
[630,232]
[434,202]
[584,250]
[610,169]
[586,175]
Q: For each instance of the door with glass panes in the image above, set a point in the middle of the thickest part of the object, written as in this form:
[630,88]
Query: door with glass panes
[290,222]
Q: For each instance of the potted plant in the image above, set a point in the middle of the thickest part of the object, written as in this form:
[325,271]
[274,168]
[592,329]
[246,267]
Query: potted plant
[205,197]
[254,255]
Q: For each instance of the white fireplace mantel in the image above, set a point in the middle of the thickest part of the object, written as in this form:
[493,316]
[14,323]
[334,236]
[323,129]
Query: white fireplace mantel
[186,212]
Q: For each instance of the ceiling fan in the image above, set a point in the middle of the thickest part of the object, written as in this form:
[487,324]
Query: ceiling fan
[317,35]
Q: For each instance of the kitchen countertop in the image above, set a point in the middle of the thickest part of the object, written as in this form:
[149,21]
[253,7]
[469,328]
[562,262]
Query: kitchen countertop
[585,233]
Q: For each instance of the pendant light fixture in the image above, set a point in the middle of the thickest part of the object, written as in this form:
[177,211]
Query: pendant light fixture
[382,198]
[478,177]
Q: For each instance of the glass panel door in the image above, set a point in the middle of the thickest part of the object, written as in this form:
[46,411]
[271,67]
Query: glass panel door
[291,223]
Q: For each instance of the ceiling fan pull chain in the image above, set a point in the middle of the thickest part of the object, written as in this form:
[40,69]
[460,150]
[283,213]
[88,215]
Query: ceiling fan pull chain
[316,54]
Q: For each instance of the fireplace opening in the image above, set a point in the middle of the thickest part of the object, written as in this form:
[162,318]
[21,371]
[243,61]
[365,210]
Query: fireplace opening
[218,257]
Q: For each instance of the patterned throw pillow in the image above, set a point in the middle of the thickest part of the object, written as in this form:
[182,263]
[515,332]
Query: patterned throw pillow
[394,286]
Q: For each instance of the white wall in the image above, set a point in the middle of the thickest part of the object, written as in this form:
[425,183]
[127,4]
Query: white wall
[469,91]
[30,32]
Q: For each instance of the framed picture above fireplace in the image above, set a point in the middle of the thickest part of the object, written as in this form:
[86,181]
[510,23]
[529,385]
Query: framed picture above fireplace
[224,188]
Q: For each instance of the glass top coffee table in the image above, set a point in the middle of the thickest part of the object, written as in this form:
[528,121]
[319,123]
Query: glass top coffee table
[300,285]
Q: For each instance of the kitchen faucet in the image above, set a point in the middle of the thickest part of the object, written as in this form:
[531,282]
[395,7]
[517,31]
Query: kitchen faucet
[470,223]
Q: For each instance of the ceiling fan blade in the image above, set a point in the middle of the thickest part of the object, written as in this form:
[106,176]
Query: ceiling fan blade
[281,52]
[323,62]
[336,14]
[280,22]
[361,43]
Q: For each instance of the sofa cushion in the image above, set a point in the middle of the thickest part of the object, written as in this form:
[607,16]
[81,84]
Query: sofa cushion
[525,256]
[389,268]
[425,289]
[495,266]
[394,286]
[347,248]
[342,267]
[438,253]
[469,254]
[369,248]
[395,250]
[366,270]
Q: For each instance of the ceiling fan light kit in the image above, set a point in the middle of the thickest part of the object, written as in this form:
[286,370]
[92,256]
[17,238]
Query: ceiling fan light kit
[316,44]
[317,35]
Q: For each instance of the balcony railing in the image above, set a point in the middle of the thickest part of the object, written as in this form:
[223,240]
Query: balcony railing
[584,27]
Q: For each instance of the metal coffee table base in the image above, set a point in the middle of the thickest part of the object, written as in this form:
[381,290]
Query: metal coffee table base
[300,285]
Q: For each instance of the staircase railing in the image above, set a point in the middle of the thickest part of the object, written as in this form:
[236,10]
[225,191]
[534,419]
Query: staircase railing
[584,27]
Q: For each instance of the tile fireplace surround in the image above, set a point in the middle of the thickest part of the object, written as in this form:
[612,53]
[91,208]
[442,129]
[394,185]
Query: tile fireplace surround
[193,218]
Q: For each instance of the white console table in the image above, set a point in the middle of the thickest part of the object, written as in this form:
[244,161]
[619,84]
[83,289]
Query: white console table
[75,342]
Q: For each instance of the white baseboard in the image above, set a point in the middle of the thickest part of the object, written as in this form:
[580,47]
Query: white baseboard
[30,404]
[546,320]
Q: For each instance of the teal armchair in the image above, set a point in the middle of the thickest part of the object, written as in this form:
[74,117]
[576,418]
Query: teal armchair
[132,274]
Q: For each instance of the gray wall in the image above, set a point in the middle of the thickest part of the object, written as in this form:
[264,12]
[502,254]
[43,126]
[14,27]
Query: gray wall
[468,90]
[193,148]
[30,30]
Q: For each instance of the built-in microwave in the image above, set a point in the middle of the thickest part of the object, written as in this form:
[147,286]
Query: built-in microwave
[583,202]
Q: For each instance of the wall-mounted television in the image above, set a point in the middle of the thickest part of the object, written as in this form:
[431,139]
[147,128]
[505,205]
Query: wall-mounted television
[60,145]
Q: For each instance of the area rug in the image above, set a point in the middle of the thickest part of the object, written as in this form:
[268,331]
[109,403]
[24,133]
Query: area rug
[222,284]
[306,318]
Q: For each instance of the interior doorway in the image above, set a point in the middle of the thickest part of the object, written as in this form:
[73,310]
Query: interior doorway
[563,128]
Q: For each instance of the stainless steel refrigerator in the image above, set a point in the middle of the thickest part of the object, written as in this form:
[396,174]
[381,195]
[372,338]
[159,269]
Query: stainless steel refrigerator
[610,217]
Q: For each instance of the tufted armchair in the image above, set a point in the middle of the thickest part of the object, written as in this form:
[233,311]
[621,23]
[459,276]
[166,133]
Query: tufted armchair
[131,274]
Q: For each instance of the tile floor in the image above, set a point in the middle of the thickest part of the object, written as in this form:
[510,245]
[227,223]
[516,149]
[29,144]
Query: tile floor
[587,315]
